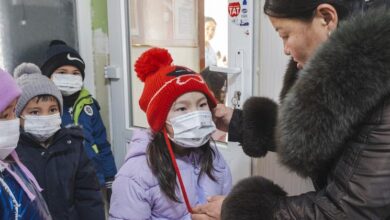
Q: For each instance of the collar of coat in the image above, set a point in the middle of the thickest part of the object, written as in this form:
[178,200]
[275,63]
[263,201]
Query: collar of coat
[347,77]
[70,133]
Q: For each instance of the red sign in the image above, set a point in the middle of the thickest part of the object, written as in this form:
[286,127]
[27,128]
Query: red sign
[234,9]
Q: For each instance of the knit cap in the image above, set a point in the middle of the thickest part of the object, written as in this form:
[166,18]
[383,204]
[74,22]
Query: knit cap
[9,91]
[33,83]
[60,54]
[164,83]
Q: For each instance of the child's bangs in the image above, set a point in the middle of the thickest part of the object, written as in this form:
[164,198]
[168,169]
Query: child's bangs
[45,98]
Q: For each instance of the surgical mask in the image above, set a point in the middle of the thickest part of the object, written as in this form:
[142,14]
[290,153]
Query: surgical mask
[42,127]
[68,84]
[193,129]
[9,136]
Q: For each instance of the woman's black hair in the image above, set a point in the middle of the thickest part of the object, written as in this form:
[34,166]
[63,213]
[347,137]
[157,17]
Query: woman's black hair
[304,9]
[161,164]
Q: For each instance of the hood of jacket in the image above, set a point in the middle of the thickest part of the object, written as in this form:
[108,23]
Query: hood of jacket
[139,143]
[334,92]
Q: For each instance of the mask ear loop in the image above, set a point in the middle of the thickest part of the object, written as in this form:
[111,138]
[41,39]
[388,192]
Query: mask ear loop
[183,189]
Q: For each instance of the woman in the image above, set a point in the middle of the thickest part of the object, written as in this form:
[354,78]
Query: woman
[209,30]
[333,122]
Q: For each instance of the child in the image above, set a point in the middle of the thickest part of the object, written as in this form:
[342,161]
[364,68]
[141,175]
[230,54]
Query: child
[19,191]
[177,104]
[66,68]
[217,82]
[55,155]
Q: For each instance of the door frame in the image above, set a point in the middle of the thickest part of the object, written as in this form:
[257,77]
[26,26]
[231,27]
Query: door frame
[119,94]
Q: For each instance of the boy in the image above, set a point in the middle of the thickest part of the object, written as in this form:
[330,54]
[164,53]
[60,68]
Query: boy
[55,155]
[19,191]
[65,67]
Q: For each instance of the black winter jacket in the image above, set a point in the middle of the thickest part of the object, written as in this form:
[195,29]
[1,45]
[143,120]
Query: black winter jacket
[63,170]
[333,125]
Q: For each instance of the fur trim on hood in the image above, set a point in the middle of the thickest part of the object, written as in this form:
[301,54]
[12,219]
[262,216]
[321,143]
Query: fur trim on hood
[347,77]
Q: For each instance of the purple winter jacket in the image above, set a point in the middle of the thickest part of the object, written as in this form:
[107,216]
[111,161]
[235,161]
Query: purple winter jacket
[136,193]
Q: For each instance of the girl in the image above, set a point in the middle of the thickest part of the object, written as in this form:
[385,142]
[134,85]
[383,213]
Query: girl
[177,103]
[19,191]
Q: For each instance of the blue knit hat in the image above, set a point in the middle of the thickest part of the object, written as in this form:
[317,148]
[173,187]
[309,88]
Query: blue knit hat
[60,54]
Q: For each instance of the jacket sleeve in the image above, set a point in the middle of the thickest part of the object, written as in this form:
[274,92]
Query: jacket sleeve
[222,169]
[105,156]
[88,198]
[259,198]
[254,126]
[129,200]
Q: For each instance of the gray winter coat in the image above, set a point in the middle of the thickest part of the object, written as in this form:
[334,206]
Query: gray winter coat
[333,126]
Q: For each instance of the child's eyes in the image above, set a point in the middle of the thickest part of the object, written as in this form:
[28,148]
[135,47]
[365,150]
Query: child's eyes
[33,113]
[204,104]
[54,110]
[64,72]
[182,109]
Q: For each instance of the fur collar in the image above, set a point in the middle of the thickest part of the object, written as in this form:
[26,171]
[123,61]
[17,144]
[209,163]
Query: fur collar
[290,76]
[347,77]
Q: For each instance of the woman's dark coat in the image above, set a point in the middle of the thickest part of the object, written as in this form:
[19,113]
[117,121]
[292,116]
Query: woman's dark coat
[333,125]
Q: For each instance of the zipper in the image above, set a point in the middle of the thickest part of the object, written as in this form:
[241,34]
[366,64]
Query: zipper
[13,198]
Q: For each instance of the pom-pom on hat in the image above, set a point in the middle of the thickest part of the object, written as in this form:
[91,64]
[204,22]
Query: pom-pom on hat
[33,83]
[9,91]
[60,54]
[164,83]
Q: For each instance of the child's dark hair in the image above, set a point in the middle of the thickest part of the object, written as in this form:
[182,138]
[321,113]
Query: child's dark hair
[161,164]
[215,81]
[45,98]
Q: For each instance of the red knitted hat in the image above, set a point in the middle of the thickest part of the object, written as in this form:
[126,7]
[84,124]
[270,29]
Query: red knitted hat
[164,83]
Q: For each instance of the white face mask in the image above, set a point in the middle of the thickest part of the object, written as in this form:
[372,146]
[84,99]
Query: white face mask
[9,136]
[68,84]
[42,127]
[192,129]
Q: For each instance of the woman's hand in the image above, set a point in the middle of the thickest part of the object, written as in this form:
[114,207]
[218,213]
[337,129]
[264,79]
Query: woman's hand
[222,116]
[210,210]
